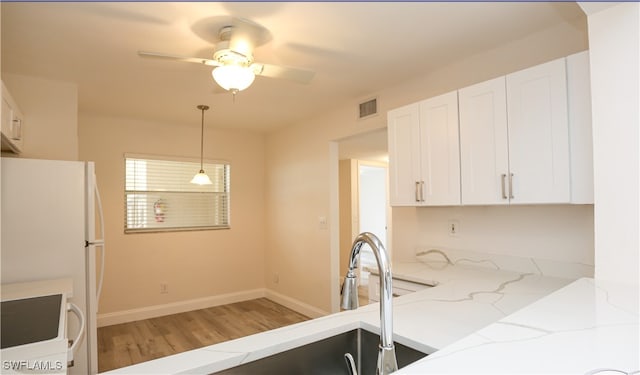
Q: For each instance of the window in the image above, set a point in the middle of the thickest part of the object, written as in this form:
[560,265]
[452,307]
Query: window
[159,196]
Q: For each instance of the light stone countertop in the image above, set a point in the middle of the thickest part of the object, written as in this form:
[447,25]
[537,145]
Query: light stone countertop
[466,300]
[588,327]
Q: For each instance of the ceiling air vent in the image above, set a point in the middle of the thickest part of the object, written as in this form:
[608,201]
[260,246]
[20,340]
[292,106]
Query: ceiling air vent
[368,108]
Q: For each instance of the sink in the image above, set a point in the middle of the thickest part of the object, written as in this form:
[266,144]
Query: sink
[327,356]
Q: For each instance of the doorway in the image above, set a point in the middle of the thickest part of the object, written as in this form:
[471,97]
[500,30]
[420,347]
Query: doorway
[372,211]
[362,199]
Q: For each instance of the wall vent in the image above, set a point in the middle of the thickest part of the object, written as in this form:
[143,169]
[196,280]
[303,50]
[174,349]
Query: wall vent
[368,108]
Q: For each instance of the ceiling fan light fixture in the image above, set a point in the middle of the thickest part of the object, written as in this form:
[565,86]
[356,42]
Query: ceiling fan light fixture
[233,77]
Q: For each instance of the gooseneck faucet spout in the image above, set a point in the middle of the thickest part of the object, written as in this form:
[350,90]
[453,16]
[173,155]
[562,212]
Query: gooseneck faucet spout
[387,362]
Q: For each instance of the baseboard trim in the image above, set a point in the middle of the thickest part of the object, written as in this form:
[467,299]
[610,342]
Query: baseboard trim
[296,305]
[155,311]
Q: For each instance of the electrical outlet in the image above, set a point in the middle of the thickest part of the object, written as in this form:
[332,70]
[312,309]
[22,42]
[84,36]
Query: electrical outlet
[322,222]
[453,227]
[276,278]
[164,288]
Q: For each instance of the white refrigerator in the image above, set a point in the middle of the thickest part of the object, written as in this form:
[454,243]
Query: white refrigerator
[50,209]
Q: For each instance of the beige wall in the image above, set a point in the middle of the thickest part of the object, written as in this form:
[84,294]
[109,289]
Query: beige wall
[297,187]
[50,111]
[194,264]
[299,162]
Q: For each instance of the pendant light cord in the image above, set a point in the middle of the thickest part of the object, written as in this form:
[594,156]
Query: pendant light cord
[202,141]
[202,108]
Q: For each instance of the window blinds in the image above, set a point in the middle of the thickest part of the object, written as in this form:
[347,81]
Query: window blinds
[159,196]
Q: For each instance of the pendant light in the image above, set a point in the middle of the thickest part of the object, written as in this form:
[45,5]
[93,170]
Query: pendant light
[201,178]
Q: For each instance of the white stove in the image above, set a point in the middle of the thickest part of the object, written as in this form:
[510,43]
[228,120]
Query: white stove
[34,327]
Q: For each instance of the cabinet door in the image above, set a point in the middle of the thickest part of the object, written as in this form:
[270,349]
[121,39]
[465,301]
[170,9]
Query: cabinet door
[404,155]
[11,123]
[484,155]
[539,134]
[7,117]
[440,150]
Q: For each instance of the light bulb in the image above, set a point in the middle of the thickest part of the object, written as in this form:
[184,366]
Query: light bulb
[233,77]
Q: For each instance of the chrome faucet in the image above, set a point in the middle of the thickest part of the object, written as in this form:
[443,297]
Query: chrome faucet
[387,362]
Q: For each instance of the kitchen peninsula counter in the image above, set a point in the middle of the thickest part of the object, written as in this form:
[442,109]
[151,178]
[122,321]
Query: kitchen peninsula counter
[475,320]
[588,327]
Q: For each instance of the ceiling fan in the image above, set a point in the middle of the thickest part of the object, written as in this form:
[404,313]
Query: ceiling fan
[234,66]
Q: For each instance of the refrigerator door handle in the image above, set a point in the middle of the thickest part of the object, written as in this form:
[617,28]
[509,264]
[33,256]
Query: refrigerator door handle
[99,242]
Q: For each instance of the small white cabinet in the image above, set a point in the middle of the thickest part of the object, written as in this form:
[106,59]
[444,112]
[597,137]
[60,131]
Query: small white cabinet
[514,135]
[12,123]
[424,160]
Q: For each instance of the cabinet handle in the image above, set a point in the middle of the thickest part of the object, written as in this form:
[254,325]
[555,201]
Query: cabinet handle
[510,185]
[417,191]
[16,130]
[503,177]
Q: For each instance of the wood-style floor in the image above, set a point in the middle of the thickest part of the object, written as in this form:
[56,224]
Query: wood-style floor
[130,343]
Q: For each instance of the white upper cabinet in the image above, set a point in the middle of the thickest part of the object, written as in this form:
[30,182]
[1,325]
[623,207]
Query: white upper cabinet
[514,136]
[424,165]
[524,138]
[12,123]
[539,170]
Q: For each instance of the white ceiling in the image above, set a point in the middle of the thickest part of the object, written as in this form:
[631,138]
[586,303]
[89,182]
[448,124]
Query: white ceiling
[355,49]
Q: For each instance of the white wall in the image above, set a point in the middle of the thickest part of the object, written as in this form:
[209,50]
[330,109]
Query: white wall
[554,232]
[50,111]
[0,117]
[614,45]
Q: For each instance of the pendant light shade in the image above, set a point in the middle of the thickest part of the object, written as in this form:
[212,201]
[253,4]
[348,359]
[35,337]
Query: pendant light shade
[201,178]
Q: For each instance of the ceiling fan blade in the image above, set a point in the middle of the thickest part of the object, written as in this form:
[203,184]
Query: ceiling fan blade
[197,60]
[284,72]
[127,12]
